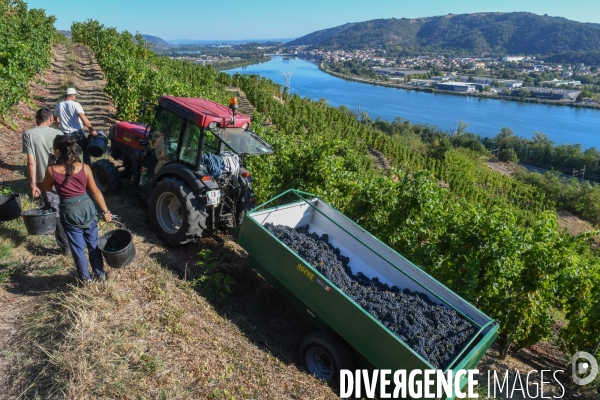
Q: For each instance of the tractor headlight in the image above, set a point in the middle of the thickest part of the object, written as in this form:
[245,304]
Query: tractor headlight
[212,125]
[245,126]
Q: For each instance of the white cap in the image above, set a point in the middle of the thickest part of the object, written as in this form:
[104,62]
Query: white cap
[71,91]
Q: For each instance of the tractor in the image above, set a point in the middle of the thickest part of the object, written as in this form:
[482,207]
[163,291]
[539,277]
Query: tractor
[187,165]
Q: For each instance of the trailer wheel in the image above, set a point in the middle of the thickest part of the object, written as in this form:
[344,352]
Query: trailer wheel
[175,212]
[106,176]
[325,354]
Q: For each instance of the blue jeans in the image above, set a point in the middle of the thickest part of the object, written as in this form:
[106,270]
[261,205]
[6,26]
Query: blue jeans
[83,143]
[79,239]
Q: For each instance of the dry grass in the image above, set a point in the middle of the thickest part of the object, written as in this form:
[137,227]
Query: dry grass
[149,333]
[144,334]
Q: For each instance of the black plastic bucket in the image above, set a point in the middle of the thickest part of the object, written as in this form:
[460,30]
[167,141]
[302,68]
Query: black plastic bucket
[97,144]
[117,248]
[10,207]
[40,221]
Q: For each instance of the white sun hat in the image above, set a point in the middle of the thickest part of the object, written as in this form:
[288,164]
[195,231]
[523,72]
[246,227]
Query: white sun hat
[71,91]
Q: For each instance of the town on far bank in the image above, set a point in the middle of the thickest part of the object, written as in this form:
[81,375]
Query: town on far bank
[509,76]
[518,77]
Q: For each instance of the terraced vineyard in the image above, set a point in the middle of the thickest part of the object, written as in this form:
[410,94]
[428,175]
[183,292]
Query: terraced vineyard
[25,37]
[492,239]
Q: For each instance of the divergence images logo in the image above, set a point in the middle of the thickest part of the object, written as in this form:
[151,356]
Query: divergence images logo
[581,368]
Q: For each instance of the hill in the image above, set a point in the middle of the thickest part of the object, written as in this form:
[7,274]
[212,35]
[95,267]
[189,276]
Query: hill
[481,33]
[155,41]
[66,33]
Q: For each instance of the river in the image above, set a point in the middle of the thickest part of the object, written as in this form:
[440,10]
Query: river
[485,117]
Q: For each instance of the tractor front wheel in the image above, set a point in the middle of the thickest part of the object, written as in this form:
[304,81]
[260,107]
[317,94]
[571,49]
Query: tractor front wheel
[106,176]
[175,212]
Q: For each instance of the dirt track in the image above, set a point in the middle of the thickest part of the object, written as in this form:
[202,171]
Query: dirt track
[71,66]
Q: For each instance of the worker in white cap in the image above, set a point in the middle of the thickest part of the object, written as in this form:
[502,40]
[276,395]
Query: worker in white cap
[69,114]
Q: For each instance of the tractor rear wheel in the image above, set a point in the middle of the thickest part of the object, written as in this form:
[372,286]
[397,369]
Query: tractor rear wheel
[106,176]
[177,215]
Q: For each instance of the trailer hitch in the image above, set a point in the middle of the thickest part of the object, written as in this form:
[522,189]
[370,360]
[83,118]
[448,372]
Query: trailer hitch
[213,228]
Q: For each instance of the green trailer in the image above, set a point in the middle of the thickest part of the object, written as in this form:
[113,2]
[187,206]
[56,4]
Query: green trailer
[348,336]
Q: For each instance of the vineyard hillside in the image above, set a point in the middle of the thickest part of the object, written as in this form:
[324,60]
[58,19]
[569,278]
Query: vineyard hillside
[197,322]
[154,329]
[491,238]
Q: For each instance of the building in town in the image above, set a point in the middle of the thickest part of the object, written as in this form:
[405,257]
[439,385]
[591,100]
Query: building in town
[512,58]
[549,93]
[456,86]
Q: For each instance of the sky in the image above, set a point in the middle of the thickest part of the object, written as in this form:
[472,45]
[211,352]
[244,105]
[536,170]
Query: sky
[280,19]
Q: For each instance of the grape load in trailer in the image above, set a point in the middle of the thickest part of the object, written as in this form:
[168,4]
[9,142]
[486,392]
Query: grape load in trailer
[432,330]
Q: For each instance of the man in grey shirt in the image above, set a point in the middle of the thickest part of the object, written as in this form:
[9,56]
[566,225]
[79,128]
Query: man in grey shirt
[71,118]
[37,144]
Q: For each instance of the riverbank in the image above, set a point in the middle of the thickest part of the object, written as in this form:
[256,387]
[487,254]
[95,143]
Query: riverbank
[562,125]
[486,95]
[232,64]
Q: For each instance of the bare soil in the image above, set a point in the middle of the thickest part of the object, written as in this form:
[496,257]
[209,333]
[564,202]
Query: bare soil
[573,224]
[505,168]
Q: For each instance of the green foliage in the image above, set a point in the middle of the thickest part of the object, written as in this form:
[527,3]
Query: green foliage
[440,148]
[466,34]
[136,74]
[508,154]
[5,190]
[541,151]
[491,238]
[212,281]
[568,194]
[590,57]
[355,67]
[60,38]
[25,44]
[150,364]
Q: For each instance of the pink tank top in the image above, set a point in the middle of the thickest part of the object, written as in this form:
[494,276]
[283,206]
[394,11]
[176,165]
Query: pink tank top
[76,186]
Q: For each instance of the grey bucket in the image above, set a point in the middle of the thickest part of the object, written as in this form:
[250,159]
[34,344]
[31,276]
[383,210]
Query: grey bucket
[97,144]
[10,207]
[40,221]
[117,247]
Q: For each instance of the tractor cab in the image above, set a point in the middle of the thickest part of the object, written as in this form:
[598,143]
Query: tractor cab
[188,164]
[185,129]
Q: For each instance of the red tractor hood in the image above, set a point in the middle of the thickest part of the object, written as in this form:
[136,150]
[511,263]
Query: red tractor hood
[130,134]
[203,112]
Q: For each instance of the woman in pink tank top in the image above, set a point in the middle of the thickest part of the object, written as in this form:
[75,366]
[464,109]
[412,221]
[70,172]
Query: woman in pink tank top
[72,181]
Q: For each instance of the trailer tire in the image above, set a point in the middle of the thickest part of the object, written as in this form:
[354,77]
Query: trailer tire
[175,212]
[324,354]
[106,176]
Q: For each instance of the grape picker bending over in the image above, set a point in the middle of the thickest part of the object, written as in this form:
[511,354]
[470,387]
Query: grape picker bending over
[71,118]
[73,180]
